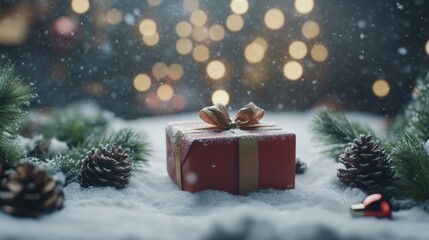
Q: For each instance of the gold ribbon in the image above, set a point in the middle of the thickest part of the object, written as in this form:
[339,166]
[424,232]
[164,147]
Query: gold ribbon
[219,116]
[247,117]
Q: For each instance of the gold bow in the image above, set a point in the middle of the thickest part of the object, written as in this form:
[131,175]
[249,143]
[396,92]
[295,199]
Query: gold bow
[219,116]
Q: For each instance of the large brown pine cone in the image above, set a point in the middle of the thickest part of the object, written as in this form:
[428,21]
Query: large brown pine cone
[106,166]
[367,165]
[30,192]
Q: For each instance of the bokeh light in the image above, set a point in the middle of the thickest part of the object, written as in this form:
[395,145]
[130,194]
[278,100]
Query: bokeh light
[319,53]
[234,22]
[200,33]
[80,6]
[216,32]
[113,16]
[154,3]
[184,46]
[160,70]
[298,50]
[293,70]
[201,53]
[142,82]
[254,52]
[175,71]
[304,6]
[274,19]
[261,42]
[147,27]
[380,88]
[216,69]
[220,96]
[310,29]
[178,102]
[239,6]
[183,29]
[165,92]
[427,47]
[151,40]
[191,5]
[198,18]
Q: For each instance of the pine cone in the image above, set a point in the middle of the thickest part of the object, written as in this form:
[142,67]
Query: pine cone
[367,165]
[106,166]
[30,192]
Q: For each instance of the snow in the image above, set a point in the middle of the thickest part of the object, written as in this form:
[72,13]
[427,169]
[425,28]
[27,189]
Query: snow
[152,207]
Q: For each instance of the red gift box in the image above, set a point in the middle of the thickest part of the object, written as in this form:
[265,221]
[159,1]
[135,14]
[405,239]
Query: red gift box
[237,161]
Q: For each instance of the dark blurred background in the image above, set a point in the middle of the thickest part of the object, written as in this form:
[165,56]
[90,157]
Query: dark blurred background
[139,58]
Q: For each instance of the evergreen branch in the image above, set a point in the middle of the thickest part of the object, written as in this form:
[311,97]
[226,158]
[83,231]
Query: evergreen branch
[410,159]
[13,96]
[134,143]
[70,163]
[10,154]
[73,127]
[335,131]
[417,113]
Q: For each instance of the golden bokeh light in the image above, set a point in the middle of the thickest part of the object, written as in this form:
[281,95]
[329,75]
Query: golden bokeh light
[113,16]
[80,6]
[254,52]
[293,70]
[380,88]
[220,96]
[184,46]
[147,27]
[234,22]
[142,82]
[298,50]
[175,71]
[262,42]
[274,19]
[304,6]
[151,40]
[216,69]
[239,6]
[216,32]
[160,70]
[319,53]
[184,29]
[200,33]
[191,5]
[201,53]
[198,18]
[165,92]
[427,47]
[310,29]
[154,3]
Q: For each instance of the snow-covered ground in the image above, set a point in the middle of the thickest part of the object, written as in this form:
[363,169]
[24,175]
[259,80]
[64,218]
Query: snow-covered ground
[152,207]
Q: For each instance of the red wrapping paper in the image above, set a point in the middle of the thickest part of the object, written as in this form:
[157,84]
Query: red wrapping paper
[201,157]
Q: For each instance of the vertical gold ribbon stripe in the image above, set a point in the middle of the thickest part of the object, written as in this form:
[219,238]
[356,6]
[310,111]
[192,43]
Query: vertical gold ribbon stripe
[248,165]
[177,147]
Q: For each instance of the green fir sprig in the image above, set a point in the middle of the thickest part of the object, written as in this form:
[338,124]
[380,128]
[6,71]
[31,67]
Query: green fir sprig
[334,131]
[410,160]
[417,112]
[135,143]
[14,95]
[73,127]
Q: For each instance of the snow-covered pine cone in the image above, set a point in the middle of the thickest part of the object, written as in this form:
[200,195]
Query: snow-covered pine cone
[106,166]
[367,165]
[30,192]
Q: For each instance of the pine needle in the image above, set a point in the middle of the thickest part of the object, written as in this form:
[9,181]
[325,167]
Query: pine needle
[334,131]
[417,112]
[13,96]
[411,162]
[70,163]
